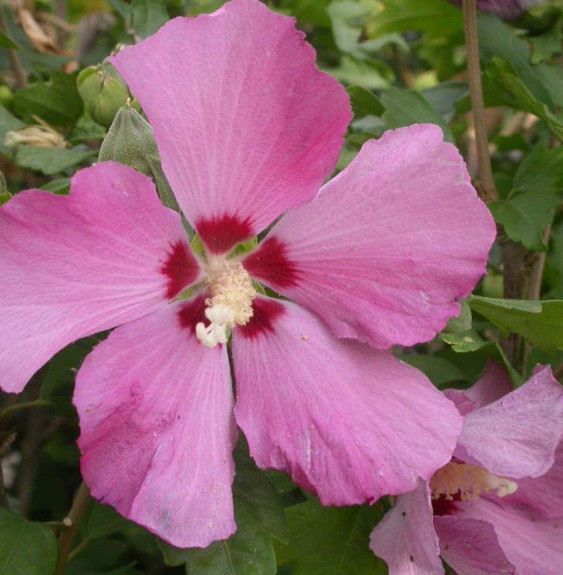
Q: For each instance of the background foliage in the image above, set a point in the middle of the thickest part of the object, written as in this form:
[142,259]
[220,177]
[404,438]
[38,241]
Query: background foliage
[403,61]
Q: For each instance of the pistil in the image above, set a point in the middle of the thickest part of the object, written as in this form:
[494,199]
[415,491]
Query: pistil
[230,304]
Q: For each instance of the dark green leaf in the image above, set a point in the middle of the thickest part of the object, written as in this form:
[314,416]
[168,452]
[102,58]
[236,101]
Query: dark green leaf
[60,186]
[331,540]
[524,216]
[433,17]
[443,97]
[539,322]
[7,43]
[470,342]
[541,171]
[515,93]
[26,548]
[103,521]
[8,123]
[406,107]
[4,193]
[86,129]
[56,101]
[498,40]
[50,161]
[259,517]
[364,103]
[546,45]
[438,370]
[462,322]
[148,16]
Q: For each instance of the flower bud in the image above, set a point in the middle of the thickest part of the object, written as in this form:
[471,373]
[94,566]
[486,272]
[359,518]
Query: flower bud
[103,92]
[130,141]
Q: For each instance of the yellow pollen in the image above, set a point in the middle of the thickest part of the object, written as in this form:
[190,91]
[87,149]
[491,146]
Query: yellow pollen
[230,304]
[470,481]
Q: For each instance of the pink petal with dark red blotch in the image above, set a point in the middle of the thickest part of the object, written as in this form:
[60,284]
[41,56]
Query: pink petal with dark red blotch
[382,254]
[246,124]
[75,265]
[517,435]
[405,537]
[532,544]
[471,547]
[544,494]
[347,422]
[157,428]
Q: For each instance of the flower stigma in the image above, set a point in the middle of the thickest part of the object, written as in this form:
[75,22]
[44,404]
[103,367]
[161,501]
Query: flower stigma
[469,481]
[230,304]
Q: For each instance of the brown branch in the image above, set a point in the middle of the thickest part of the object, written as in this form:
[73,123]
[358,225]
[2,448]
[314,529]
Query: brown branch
[77,512]
[486,188]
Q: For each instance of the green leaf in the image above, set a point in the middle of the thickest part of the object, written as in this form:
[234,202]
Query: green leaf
[86,129]
[462,322]
[433,17]
[369,75]
[26,548]
[347,19]
[541,171]
[364,103]
[8,123]
[546,45]
[56,101]
[102,521]
[438,370]
[4,192]
[516,94]
[60,186]
[7,43]
[50,161]
[259,517]
[498,40]
[331,540]
[406,107]
[444,96]
[539,322]
[148,16]
[524,216]
[471,343]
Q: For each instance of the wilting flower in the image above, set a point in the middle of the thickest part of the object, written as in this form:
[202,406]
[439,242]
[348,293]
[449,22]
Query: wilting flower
[248,129]
[506,9]
[497,507]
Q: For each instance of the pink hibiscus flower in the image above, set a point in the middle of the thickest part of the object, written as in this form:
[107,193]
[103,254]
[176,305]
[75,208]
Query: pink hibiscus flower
[497,507]
[248,128]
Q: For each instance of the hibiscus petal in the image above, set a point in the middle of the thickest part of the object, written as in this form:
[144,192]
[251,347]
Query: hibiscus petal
[246,125]
[349,423]
[493,385]
[517,435]
[405,537]
[471,547]
[382,253]
[75,265]
[157,428]
[531,544]
[544,493]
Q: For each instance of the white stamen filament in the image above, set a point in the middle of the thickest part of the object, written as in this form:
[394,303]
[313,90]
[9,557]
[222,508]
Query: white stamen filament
[231,302]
